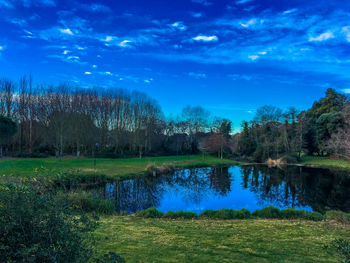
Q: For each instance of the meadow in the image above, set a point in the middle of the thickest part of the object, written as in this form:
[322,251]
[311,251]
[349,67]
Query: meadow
[259,240]
[112,168]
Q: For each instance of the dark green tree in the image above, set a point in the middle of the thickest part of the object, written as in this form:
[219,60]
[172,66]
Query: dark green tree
[7,129]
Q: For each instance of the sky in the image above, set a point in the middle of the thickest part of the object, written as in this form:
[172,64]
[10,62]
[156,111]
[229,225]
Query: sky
[230,56]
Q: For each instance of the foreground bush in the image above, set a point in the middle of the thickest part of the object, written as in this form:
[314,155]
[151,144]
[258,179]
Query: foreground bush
[39,226]
[341,248]
[36,228]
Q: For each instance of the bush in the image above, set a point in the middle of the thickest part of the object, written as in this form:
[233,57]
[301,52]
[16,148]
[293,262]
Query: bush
[86,202]
[341,248]
[180,214]
[267,212]
[151,212]
[314,216]
[338,216]
[291,213]
[39,228]
[209,214]
[242,214]
[226,214]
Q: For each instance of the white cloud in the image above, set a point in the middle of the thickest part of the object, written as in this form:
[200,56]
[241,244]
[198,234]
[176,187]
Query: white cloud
[346,91]
[179,25]
[249,23]
[94,66]
[205,38]
[290,11]
[2,48]
[109,38]
[65,52]
[262,53]
[323,37]
[125,43]
[197,75]
[87,73]
[241,2]
[66,31]
[346,31]
[253,57]
[240,77]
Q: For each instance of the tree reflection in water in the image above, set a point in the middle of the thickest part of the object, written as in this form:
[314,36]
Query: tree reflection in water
[213,188]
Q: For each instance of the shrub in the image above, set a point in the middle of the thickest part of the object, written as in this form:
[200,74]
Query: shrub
[180,214]
[338,216]
[291,213]
[151,212]
[39,228]
[84,201]
[209,214]
[242,214]
[314,216]
[226,214]
[340,247]
[267,212]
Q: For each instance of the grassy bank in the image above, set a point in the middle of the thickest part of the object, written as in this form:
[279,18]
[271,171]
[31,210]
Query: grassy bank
[325,162]
[109,167]
[158,240]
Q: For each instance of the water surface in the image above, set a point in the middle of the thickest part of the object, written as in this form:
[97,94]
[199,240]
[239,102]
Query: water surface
[250,187]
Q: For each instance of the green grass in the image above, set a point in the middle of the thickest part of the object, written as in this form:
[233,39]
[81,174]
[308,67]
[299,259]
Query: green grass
[325,162]
[159,240]
[110,167]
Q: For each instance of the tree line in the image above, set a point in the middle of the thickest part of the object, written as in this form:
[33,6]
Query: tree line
[65,120]
[322,130]
[43,120]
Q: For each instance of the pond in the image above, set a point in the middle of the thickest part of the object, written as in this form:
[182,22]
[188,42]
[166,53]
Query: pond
[250,187]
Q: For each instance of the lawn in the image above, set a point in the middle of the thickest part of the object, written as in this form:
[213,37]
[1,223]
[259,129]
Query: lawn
[109,167]
[325,162]
[158,240]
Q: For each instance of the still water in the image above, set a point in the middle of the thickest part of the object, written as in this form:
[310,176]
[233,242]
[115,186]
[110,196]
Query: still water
[250,187]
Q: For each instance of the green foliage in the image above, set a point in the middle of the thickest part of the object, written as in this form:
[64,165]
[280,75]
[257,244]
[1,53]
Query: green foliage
[291,213]
[38,228]
[7,128]
[180,214]
[338,216]
[267,212]
[340,247]
[151,212]
[84,201]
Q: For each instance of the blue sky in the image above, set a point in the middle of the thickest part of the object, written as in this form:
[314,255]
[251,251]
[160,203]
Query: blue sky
[230,57]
